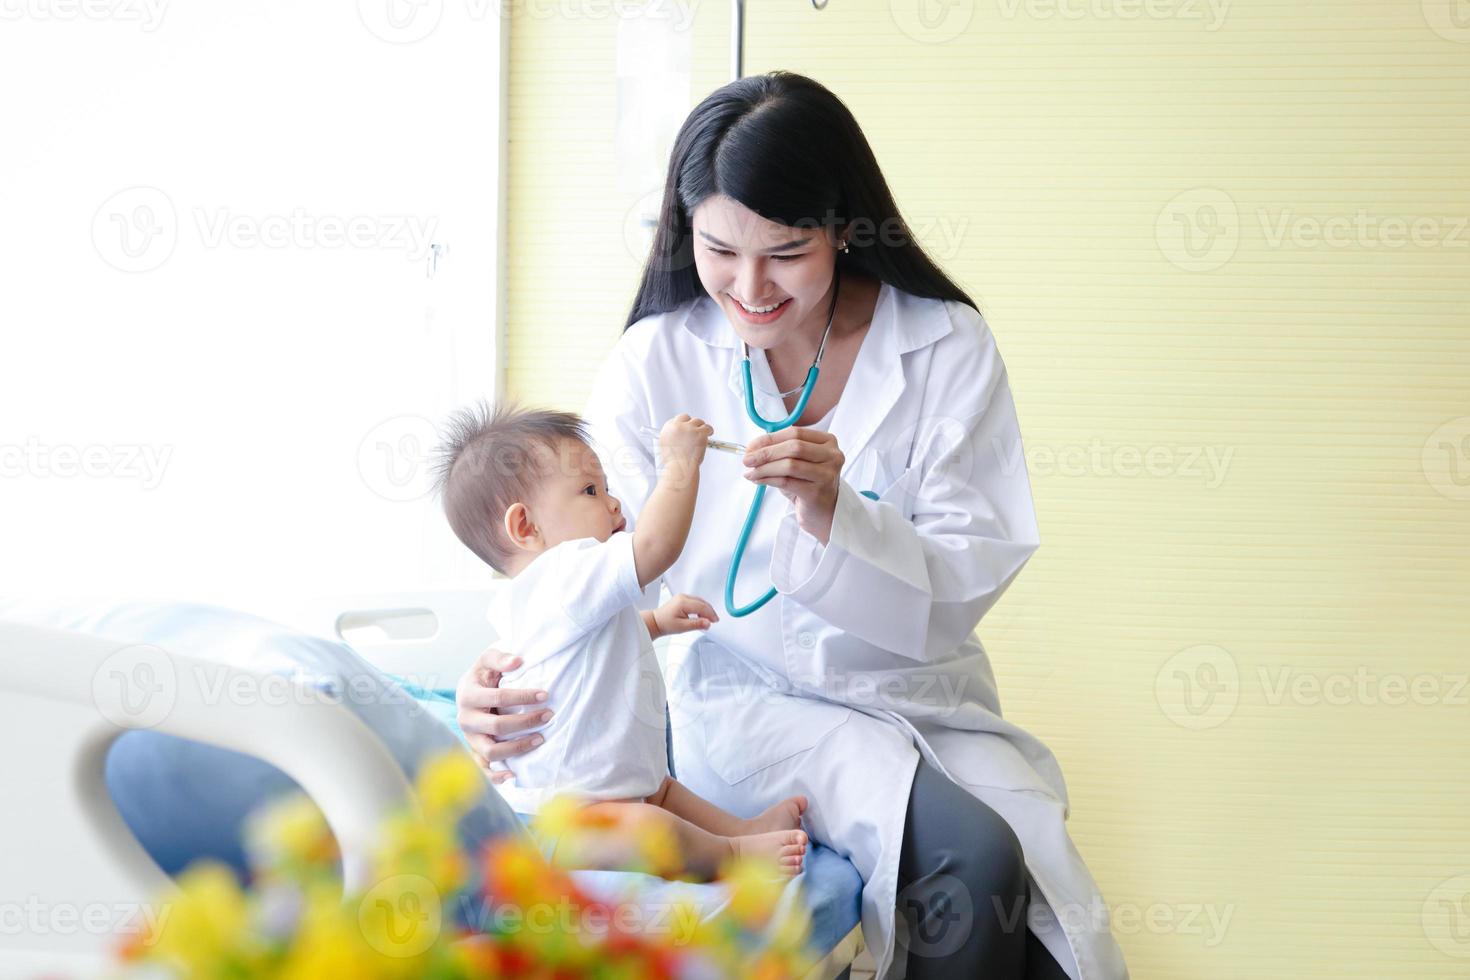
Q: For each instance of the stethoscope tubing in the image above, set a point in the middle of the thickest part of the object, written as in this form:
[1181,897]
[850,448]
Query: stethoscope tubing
[760,491]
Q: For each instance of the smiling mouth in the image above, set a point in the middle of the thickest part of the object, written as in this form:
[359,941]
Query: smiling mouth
[758,310]
[768,313]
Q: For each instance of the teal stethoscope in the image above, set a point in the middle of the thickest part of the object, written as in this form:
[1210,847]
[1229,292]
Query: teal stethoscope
[770,426]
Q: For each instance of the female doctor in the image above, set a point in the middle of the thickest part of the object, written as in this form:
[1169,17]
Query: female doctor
[904,511]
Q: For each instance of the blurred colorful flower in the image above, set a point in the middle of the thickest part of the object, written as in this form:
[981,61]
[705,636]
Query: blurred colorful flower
[294,922]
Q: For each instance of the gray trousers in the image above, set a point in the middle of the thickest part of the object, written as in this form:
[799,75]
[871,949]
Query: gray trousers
[962,895]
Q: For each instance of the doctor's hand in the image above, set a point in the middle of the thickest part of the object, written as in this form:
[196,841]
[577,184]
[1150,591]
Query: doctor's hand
[806,466]
[479,697]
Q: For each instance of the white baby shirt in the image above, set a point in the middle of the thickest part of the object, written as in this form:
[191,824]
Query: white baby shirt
[572,616]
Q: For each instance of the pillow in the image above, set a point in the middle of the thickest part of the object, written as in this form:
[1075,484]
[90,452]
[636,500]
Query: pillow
[185,800]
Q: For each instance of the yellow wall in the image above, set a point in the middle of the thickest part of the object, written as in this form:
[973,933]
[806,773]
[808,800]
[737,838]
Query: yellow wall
[1070,154]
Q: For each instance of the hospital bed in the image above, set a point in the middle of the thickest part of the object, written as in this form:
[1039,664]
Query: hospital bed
[98,832]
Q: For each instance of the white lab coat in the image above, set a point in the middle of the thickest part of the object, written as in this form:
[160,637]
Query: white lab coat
[867,656]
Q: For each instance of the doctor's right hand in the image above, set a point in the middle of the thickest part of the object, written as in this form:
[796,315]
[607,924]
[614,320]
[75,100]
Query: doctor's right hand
[491,734]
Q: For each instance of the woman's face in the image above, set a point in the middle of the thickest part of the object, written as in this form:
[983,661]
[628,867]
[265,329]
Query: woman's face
[745,260]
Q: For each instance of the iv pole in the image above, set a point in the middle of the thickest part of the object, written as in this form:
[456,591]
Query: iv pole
[737,36]
[737,40]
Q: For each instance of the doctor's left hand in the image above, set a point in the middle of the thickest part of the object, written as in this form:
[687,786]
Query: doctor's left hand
[806,466]
[493,735]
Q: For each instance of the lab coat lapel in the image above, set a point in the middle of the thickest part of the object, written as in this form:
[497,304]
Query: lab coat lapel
[872,388]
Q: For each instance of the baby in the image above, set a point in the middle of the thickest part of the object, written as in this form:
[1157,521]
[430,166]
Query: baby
[525,492]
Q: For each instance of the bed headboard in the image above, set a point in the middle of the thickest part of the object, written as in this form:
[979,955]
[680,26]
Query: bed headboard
[423,636]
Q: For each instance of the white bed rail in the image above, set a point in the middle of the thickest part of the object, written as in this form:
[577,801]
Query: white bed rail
[73,875]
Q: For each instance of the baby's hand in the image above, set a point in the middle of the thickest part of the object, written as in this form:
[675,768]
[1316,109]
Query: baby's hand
[684,439]
[683,613]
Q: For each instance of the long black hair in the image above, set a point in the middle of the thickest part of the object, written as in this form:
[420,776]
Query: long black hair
[787,148]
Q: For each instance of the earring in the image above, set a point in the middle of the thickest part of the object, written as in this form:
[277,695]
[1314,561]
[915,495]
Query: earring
[842,245]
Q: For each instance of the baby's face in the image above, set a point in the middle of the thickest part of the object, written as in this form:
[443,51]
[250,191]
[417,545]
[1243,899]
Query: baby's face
[573,501]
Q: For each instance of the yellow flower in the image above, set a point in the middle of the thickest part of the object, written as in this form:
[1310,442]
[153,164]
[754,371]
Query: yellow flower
[658,847]
[204,924]
[402,919]
[428,848]
[449,784]
[558,817]
[327,943]
[292,834]
[754,890]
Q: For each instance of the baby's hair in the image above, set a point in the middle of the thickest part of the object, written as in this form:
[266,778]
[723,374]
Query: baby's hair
[492,459]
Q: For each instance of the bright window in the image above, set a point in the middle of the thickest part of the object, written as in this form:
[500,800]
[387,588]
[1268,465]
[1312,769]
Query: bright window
[222,351]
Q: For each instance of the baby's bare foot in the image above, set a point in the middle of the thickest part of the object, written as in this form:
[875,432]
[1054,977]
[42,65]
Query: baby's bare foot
[785,815]
[785,850]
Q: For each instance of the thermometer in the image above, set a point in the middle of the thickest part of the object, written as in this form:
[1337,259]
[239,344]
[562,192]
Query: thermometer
[724,447]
